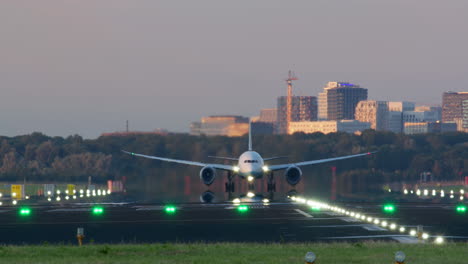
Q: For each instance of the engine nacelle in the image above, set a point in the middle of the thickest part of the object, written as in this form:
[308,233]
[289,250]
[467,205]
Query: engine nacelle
[207,175]
[207,197]
[293,175]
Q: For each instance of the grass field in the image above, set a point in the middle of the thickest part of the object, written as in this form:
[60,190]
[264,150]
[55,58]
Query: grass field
[369,252]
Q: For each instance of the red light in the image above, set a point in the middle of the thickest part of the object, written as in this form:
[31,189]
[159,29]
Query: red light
[368,153]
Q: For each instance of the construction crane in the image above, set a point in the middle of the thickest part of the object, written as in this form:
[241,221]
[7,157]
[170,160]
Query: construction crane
[291,77]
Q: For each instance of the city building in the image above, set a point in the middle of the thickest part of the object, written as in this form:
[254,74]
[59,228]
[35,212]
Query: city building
[222,125]
[401,106]
[464,124]
[452,105]
[374,112]
[428,127]
[425,108]
[325,127]
[420,116]
[395,121]
[304,108]
[268,115]
[338,100]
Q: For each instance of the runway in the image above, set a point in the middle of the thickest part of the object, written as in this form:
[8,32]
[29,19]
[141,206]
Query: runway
[276,222]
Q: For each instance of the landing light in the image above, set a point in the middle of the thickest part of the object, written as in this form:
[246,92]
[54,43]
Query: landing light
[236,169]
[402,229]
[250,178]
[265,168]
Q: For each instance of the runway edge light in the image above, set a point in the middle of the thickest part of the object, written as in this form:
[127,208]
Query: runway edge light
[242,208]
[389,208]
[170,209]
[97,210]
[461,209]
[25,211]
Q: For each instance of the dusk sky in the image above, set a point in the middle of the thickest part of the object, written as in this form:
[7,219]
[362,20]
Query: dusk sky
[84,67]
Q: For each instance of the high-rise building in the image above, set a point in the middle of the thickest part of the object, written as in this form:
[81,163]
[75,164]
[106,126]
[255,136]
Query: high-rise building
[304,108]
[341,100]
[452,106]
[322,105]
[269,115]
[465,116]
[373,112]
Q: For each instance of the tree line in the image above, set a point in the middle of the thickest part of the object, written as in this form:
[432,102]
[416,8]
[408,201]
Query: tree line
[37,157]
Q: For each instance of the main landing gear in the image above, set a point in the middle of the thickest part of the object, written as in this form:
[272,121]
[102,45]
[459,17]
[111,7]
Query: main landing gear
[230,183]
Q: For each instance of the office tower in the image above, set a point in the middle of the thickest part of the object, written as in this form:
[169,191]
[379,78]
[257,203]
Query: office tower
[341,100]
[303,108]
[374,112]
[452,105]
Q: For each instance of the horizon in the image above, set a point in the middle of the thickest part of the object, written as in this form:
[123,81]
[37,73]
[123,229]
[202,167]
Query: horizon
[85,68]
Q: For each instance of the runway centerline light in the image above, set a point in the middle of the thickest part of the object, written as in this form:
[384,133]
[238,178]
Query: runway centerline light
[98,210]
[170,209]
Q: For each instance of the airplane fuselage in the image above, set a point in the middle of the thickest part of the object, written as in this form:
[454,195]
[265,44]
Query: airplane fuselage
[251,164]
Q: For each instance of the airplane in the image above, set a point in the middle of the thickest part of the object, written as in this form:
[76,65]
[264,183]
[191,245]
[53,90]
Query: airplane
[250,166]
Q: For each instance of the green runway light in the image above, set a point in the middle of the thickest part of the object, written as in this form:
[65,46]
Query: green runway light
[25,211]
[242,208]
[170,209]
[97,210]
[461,209]
[389,208]
[315,208]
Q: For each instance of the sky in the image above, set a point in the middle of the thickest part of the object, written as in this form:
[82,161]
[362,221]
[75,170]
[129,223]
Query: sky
[85,67]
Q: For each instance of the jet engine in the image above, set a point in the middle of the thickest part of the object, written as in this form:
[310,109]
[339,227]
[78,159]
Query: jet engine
[207,175]
[207,197]
[293,175]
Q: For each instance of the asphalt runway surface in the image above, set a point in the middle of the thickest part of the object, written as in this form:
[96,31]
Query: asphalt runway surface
[275,222]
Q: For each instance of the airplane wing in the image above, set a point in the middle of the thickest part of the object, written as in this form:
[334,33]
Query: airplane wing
[312,162]
[187,162]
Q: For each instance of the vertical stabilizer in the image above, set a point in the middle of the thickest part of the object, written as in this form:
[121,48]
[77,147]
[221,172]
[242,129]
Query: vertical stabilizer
[250,135]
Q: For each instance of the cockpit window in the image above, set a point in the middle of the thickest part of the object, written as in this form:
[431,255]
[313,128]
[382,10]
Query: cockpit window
[250,161]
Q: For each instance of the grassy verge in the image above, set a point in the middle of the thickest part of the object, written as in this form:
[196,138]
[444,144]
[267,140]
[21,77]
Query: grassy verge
[370,252]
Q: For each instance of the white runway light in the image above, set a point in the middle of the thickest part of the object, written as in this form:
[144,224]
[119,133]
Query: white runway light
[439,240]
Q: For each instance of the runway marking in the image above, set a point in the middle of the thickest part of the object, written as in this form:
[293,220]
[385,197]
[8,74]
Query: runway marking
[349,219]
[333,214]
[69,210]
[150,208]
[406,240]
[302,213]
[373,228]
